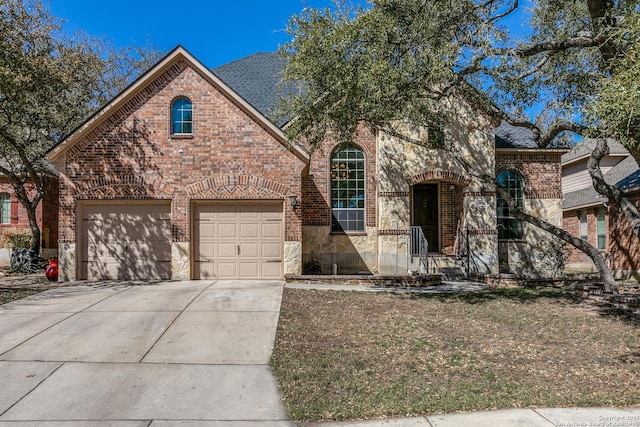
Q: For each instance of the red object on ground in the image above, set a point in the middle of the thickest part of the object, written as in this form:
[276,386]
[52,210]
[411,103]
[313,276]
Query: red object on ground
[52,270]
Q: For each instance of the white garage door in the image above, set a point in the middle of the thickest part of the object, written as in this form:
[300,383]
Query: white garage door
[126,241]
[238,241]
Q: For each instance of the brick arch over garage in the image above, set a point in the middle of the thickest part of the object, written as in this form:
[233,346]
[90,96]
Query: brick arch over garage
[439,175]
[123,187]
[237,187]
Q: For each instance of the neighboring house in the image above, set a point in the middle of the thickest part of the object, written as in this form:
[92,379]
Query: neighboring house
[15,222]
[587,214]
[183,176]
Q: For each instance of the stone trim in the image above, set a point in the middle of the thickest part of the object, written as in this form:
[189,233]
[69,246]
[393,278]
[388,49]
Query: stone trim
[439,175]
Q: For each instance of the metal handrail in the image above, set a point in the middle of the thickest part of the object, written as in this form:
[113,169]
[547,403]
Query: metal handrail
[419,246]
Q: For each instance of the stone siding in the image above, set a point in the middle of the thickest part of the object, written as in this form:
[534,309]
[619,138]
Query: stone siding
[538,254]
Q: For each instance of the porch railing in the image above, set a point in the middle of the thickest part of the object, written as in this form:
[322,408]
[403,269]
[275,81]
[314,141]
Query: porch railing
[419,246]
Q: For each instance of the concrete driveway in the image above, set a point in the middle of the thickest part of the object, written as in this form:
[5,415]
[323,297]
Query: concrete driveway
[117,354]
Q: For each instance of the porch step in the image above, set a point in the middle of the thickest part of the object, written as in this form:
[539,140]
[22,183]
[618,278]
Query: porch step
[451,268]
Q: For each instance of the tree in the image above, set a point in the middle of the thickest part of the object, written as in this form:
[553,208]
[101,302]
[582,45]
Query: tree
[396,59]
[48,84]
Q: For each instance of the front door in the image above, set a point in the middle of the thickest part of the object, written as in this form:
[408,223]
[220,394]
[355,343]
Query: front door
[426,213]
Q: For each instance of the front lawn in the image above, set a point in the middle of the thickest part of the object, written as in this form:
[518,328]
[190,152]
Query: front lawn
[350,355]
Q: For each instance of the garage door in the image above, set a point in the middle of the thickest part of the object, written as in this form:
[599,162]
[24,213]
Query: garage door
[126,241]
[238,241]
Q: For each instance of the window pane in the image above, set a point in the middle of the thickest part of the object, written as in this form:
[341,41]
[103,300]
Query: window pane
[347,189]
[181,116]
[584,226]
[600,229]
[5,207]
[509,227]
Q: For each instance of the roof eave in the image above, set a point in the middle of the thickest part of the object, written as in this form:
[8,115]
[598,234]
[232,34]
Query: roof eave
[160,67]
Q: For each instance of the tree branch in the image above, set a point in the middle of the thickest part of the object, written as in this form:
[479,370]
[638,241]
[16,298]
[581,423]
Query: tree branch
[613,193]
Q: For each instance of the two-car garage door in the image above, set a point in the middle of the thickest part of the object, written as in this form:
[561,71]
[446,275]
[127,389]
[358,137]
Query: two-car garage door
[238,241]
[125,240]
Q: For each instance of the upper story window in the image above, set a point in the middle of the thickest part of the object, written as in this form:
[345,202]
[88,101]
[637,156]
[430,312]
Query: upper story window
[347,189]
[5,208]
[181,117]
[509,228]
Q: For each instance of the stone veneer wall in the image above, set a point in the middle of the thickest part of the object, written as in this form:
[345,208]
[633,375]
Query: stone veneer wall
[351,252]
[535,255]
[465,202]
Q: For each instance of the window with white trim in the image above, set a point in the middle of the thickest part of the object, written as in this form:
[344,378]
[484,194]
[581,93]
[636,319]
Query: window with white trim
[348,189]
[584,226]
[600,228]
[5,208]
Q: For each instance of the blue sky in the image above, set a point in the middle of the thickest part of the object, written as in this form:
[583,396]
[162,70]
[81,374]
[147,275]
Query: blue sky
[215,31]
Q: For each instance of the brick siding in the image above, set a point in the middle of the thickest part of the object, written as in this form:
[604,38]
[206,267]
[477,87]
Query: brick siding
[46,214]
[541,172]
[571,224]
[316,184]
[623,248]
[130,153]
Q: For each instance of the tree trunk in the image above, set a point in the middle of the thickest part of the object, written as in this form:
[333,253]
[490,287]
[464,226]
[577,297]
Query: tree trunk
[35,230]
[598,260]
[30,206]
[614,194]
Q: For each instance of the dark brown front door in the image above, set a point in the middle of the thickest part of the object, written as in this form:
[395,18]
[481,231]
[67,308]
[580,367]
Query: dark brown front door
[426,213]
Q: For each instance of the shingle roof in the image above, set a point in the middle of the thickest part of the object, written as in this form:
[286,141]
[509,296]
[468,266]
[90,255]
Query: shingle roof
[585,147]
[509,136]
[625,175]
[256,78]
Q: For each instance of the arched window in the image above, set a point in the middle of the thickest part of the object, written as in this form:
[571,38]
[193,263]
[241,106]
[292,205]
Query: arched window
[181,116]
[509,228]
[347,189]
[5,208]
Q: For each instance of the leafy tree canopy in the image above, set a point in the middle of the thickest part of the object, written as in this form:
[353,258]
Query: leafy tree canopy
[395,59]
[49,82]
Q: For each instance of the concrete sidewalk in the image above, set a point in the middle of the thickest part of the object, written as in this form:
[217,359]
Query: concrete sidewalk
[548,417]
[172,353]
[181,353]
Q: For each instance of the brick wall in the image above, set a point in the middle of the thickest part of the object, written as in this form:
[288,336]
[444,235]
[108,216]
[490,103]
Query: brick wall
[623,249]
[576,259]
[46,214]
[541,172]
[316,184]
[130,153]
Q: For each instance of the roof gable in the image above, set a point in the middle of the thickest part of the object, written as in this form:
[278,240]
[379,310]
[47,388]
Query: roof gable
[177,54]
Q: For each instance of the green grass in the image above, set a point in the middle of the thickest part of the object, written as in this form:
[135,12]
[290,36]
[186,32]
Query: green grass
[349,355]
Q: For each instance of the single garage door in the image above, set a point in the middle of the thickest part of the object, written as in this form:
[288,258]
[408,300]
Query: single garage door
[126,241]
[238,241]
